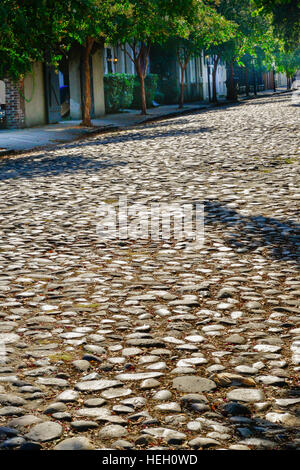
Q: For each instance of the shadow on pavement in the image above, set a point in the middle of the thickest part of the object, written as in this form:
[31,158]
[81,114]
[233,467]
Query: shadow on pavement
[25,166]
[40,165]
[142,135]
[247,233]
[260,433]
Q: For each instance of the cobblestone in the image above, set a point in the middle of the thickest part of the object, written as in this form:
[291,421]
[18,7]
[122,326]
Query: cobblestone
[155,343]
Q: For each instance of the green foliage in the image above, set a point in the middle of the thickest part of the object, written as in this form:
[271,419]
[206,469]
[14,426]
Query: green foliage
[285,16]
[159,97]
[142,23]
[27,30]
[163,63]
[288,62]
[151,81]
[44,30]
[234,30]
[149,20]
[206,29]
[168,86]
[118,90]
[251,30]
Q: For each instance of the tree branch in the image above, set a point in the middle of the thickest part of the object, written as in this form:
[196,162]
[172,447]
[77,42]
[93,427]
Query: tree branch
[123,49]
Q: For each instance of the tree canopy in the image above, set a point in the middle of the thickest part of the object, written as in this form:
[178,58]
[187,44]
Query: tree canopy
[45,30]
[205,30]
[141,23]
[285,16]
[27,33]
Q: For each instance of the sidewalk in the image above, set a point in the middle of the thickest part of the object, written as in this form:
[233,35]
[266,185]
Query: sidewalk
[18,140]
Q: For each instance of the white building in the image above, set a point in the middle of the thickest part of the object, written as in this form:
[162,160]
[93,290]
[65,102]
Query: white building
[221,77]
[280,79]
[198,74]
[116,60]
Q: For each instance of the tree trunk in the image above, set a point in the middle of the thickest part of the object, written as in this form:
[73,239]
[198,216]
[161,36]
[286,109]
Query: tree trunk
[140,60]
[254,81]
[231,95]
[208,82]
[183,65]
[214,84]
[141,64]
[288,84]
[86,114]
[143,94]
[247,81]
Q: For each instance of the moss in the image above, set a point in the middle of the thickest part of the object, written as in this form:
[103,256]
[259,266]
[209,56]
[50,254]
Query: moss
[61,357]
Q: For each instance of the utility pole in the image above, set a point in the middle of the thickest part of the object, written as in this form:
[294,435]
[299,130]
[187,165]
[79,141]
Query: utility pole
[254,78]
[246,81]
[208,78]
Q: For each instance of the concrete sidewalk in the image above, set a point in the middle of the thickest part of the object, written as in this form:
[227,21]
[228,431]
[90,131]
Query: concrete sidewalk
[18,140]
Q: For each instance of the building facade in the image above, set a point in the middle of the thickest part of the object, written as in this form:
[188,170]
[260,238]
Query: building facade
[46,96]
[280,79]
[164,63]
[221,77]
[198,75]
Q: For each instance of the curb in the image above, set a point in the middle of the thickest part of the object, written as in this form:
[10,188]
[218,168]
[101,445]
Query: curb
[115,128]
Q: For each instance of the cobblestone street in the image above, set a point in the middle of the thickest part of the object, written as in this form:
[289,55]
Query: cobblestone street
[145,344]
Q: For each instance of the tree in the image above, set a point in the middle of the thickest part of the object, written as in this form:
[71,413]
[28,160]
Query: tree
[251,31]
[141,23]
[44,30]
[288,63]
[260,54]
[285,16]
[87,23]
[30,31]
[205,29]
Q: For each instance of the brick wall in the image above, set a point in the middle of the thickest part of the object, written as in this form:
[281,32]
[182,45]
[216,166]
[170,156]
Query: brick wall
[14,105]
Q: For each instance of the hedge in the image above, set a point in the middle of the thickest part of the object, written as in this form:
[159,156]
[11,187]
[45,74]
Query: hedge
[169,89]
[118,91]
[150,88]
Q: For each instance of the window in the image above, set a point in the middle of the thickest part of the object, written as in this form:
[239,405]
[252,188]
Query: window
[109,60]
